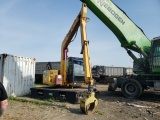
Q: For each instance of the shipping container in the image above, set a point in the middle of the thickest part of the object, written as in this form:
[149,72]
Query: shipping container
[17,74]
[109,71]
[106,74]
[114,71]
[129,71]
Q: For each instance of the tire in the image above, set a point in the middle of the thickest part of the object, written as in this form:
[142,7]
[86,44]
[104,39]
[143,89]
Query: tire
[112,86]
[131,89]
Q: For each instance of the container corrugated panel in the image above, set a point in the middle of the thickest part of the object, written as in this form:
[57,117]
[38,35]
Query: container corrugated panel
[129,71]
[41,66]
[114,71]
[17,74]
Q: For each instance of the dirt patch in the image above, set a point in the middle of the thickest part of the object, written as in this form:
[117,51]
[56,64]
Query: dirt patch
[112,106]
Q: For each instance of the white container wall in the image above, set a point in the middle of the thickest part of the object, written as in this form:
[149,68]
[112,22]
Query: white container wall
[115,71]
[17,74]
[129,71]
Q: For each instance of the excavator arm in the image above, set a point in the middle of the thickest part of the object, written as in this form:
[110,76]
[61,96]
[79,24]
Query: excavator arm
[88,102]
[64,47]
[128,33]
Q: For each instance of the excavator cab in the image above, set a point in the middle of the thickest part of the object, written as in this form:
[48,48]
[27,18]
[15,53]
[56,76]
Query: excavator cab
[155,55]
[75,70]
[154,59]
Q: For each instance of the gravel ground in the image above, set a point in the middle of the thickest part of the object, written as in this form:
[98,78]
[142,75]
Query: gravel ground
[112,106]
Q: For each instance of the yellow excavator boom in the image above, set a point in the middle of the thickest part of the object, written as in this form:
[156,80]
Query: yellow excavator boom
[88,102]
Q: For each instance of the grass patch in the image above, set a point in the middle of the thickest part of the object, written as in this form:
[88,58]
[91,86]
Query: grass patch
[30,101]
[99,112]
[46,102]
[51,100]
[63,107]
[40,85]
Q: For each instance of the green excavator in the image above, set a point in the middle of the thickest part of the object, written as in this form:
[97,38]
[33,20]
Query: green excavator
[132,39]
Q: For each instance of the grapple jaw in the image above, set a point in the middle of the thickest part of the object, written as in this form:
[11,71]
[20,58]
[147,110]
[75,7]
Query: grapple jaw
[88,103]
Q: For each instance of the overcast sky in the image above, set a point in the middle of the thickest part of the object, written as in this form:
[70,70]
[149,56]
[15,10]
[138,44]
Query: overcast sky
[36,28]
